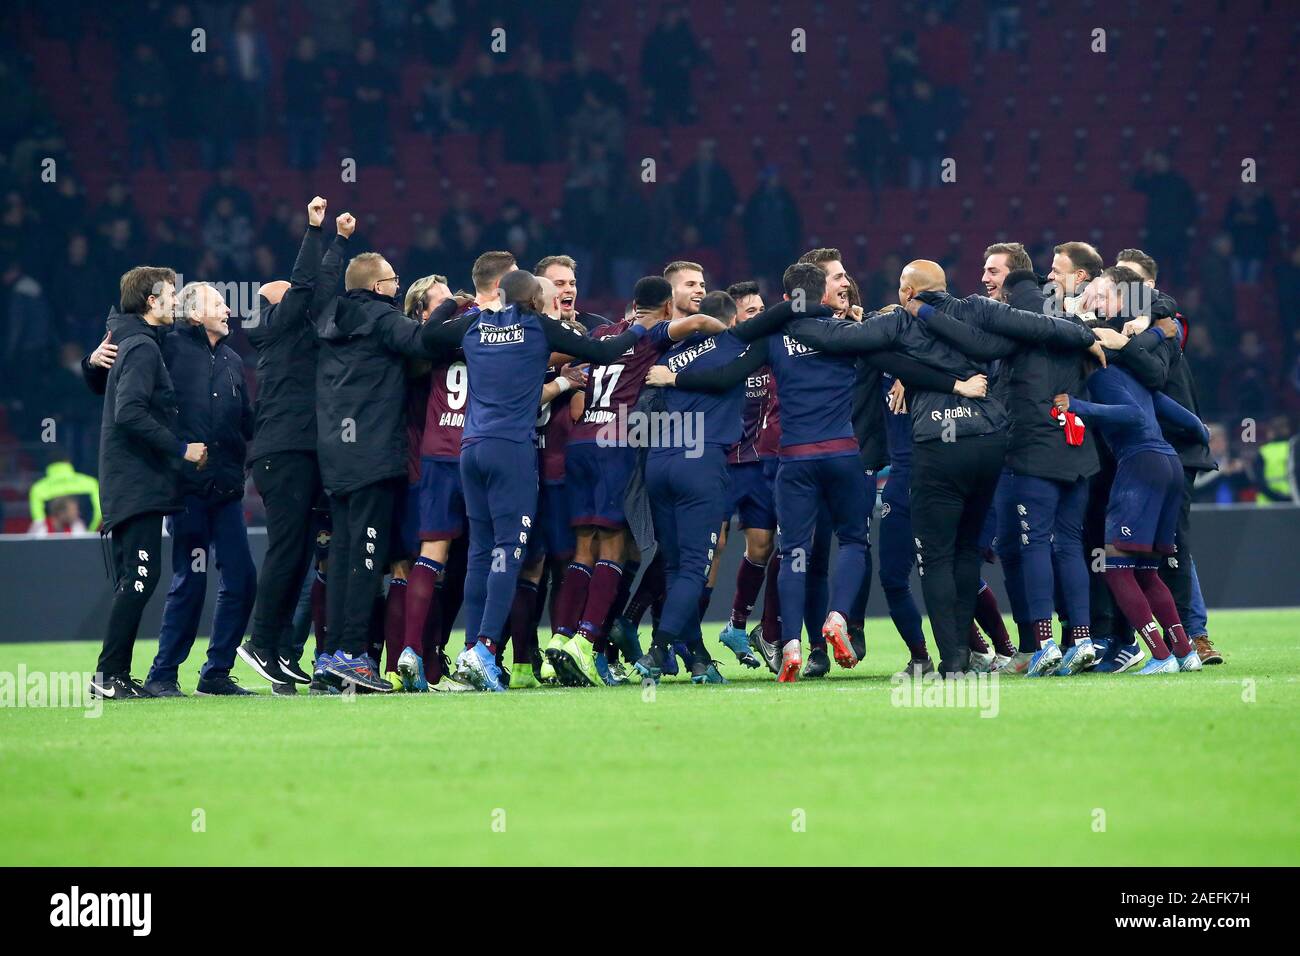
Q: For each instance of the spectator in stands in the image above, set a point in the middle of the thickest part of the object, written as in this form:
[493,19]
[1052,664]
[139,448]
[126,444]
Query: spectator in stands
[27,341]
[176,51]
[874,145]
[51,495]
[706,195]
[170,244]
[63,516]
[1171,213]
[218,104]
[669,58]
[772,226]
[228,234]
[115,207]
[484,98]
[923,126]
[78,278]
[1252,223]
[250,61]
[1273,469]
[435,31]
[305,87]
[146,91]
[531,107]
[596,122]
[1218,312]
[1227,484]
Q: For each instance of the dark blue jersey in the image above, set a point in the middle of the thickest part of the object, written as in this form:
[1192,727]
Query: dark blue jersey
[506,355]
[716,417]
[1126,413]
[816,394]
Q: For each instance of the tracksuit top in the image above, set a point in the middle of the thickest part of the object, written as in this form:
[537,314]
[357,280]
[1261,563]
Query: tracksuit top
[1126,413]
[721,413]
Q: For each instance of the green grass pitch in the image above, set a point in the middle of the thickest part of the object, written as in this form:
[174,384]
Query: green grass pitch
[1190,769]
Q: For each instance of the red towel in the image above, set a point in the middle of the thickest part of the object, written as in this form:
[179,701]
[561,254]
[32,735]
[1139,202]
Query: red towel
[1072,424]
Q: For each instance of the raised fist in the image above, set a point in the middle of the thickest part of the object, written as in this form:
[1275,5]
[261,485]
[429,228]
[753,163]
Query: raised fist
[345,224]
[316,211]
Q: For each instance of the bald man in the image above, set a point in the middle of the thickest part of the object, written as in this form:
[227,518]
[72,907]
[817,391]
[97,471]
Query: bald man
[283,451]
[958,444]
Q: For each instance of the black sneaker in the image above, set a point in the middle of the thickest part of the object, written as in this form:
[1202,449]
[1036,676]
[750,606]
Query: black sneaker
[117,687]
[221,687]
[288,689]
[319,686]
[858,641]
[262,661]
[818,664]
[770,653]
[291,669]
[916,668]
[163,688]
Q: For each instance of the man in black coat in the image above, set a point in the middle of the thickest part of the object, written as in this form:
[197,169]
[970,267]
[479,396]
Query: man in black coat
[283,452]
[212,399]
[361,444]
[140,456]
[1043,495]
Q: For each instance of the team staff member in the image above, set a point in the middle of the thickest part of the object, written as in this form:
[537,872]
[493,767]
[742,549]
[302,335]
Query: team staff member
[283,451]
[139,464]
[361,444]
[213,404]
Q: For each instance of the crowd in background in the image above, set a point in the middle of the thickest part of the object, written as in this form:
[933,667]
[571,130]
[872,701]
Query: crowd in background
[62,251]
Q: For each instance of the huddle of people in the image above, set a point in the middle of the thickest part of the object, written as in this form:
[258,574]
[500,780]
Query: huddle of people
[485,455]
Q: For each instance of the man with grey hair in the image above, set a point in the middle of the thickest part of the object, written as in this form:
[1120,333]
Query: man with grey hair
[212,398]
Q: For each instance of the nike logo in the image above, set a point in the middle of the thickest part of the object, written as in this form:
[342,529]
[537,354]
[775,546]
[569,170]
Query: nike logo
[105,691]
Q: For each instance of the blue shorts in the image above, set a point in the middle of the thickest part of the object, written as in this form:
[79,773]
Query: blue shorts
[552,534]
[596,479]
[750,495]
[1145,500]
[442,501]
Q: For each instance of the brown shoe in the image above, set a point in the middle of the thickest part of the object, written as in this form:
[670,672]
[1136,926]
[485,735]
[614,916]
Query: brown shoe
[1205,650]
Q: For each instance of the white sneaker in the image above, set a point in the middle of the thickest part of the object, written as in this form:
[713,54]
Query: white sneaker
[982,663]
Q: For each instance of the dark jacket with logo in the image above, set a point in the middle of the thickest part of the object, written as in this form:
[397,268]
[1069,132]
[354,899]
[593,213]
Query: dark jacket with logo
[1041,357]
[361,389]
[140,449]
[284,336]
[935,415]
[212,397]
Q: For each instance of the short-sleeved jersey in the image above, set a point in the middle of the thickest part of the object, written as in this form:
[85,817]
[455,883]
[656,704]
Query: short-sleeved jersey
[505,354]
[612,390]
[445,410]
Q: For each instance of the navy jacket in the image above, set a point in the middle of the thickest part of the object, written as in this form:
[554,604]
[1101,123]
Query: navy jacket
[212,397]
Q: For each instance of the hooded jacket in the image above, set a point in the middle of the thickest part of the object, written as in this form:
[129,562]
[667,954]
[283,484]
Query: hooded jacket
[140,451]
[361,389]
